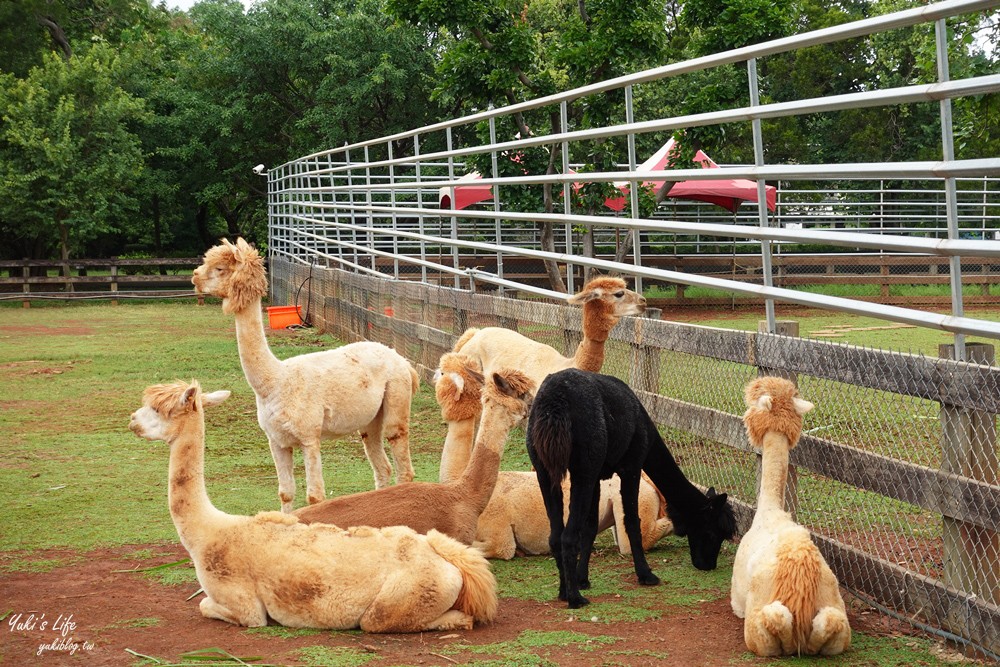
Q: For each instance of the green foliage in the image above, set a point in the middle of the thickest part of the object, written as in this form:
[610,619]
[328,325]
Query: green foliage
[68,152]
[324,656]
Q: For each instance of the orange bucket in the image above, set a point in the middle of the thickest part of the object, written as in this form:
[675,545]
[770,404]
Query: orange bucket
[282,317]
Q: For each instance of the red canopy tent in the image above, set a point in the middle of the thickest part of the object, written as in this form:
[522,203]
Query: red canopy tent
[728,193]
[462,196]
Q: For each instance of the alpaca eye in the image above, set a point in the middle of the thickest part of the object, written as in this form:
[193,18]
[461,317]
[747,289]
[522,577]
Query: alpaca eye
[619,295]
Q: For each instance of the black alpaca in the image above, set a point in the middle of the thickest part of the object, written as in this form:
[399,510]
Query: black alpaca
[593,425]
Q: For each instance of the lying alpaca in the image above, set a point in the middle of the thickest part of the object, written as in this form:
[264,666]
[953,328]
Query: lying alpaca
[781,584]
[591,426]
[515,517]
[272,566]
[363,386]
[605,301]
[514,521]
[452,508]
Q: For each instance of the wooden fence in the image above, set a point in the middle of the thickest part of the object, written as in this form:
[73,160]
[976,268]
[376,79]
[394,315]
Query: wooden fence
[422,321]
[113,279]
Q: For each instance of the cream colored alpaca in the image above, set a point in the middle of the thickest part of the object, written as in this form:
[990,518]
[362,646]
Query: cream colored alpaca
[781,585]
[515,518]
[605,301]
[452,507]
[270,566]
[363,386]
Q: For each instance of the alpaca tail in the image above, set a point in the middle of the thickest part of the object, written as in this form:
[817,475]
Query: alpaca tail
[414,379]
[478,597]
[464,338]
[550,436]
[796,581]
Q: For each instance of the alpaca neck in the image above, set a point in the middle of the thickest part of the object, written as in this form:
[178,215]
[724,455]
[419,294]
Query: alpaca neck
[596,329]
[260,365]
[457,449]
[661,468]
[186,494]
[480,476]
[774,472]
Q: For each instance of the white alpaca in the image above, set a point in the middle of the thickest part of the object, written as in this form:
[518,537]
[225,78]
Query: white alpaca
[515,519]
[781,585]
[363,386]
[270,566]
[605,301]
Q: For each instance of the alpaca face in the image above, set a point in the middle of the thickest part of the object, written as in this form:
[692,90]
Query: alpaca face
[233,271]
[617,300]
[717,525]
[163,403]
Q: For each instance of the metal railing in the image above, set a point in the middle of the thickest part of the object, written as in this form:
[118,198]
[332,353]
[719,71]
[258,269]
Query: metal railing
[892,421]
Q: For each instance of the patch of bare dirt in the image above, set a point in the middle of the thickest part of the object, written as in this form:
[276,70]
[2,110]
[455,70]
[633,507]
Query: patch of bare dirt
[93,609]
[43,330]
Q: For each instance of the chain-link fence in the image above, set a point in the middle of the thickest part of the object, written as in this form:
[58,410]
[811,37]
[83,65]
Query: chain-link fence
[896,472]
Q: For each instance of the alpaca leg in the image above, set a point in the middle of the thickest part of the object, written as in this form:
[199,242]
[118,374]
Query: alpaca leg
[452,619]
[630,510]
[371,436]
[253,616]
[552,497]
[587,536]
[761,629]
[777,620]
[396,410]
[286,481]
[311,457]
[580,506]
[831,632]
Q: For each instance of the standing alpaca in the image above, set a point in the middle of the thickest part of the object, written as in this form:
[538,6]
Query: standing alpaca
[781,584]
[591,426]
[363,386]
[605,301]
[452,508]
[515,517]
[272,566]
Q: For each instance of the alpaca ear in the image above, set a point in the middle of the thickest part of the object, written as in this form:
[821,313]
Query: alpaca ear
[458,382]
[763,403]
[801,406]
[187,399]
[583,297]
[214,398]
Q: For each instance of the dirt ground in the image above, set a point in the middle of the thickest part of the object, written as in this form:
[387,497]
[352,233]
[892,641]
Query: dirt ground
[91,610]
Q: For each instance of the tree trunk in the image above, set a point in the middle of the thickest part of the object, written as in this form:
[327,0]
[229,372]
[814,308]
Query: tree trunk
[625,247]
[548,236]
[201,222]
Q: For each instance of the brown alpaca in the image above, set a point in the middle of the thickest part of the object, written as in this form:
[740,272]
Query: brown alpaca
[363,386]
[515,520]
[253,568]
[781,585]
[605,301]
[452,508]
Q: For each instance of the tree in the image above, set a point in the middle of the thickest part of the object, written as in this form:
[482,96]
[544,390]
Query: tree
[68,152]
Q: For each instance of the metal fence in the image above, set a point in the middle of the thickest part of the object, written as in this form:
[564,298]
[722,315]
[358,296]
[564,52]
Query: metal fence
[897,472]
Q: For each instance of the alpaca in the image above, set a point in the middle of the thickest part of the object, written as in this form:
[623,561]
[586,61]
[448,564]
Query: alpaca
[782,586]
[271,566]
[605,301]
[593,425]
[514,519]
[363,386]
[452,508]
[515,522]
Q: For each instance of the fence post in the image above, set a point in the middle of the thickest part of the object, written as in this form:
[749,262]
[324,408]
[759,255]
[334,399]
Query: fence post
[26,286]
[114,283]
[645,372]
[969,449]
[782,328]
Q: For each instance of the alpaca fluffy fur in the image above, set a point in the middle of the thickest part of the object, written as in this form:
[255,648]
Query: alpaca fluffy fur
[452,507]
[363,386]
[781,585]
[605,300]
[514,520]
[271,566]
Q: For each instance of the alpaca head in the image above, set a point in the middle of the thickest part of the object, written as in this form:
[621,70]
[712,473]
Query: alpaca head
[713,524]
[508,392]
[773,404]
[233,271]
[165,405]
[458,385]
[606,300]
